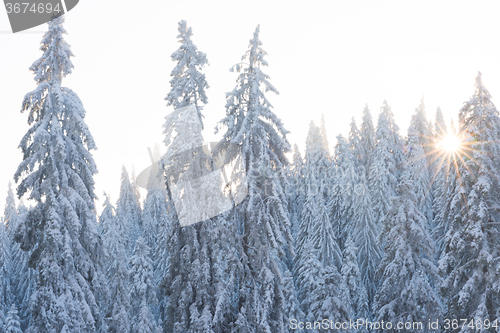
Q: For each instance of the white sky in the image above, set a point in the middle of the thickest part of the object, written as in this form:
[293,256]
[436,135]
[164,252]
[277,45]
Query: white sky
[327,57]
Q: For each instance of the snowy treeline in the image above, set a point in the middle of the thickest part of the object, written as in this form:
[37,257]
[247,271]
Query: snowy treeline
[386,226]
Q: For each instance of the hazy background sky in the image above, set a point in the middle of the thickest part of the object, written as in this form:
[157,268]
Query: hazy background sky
[327,57]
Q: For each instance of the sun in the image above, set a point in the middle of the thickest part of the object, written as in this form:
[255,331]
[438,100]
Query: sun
[450,144]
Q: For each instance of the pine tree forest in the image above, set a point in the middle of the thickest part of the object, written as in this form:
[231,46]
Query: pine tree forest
[382,230]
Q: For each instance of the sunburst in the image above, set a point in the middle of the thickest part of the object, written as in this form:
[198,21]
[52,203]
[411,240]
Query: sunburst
[450,144]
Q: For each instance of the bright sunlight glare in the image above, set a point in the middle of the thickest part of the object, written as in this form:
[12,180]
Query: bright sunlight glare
[450,144]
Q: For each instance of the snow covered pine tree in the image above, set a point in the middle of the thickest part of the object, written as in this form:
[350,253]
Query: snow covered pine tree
[57,172]
[469,261]
[264,229]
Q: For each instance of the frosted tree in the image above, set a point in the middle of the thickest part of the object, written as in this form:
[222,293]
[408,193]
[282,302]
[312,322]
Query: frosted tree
[12,324]
[347,179]
[196,289]
[355,144]
[107,217]
[57,174]
[166,257]
[316,155]
[324,136]
[291,302]
[471,272]
[440,124]
[439,132]
[128,212]
[334,203]
[318,257]
[8,264]
[224,276]
[444,182]
[10,216]
[184,160]
[325,302]
[117,272]
[422,128]
[142,293]
[188,82]
[154,214]
[315,225]
[264,228]
[364,235]
[420,174]
[5,272]
[323,237]
[367,133]
[187,298]
[383,171]
[135,186]
[23,282]
[295,191]
[308,215]
[307,276]
[319,288]
[394,138]
[353,290]
[407,272]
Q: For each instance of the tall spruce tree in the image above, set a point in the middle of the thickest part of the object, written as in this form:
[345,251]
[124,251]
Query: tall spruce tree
[422,128]
[383,171]
[295,191]
[354,295]
[316,155]
[444,180]
[23,278]
[142,292]
[324,136]
[365,234]
[394,138]
[188,82]
[419,164]
[407,272]
[323,237]
[57,173]
[128,212]
[5,272]
[367,140]
[347,179]
[264,227]
[355,144]
[8,264]
[469,262]
[192,251]
[308,215]
[117,272]
[154,214]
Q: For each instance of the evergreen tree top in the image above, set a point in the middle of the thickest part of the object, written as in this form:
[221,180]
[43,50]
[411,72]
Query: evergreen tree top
[188,83]
[481,92]
[55,63]
[297,157]
[479,115]
[324,136]
[10,208]
[249,119]
[367,123]
[256,53]
[440,127]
